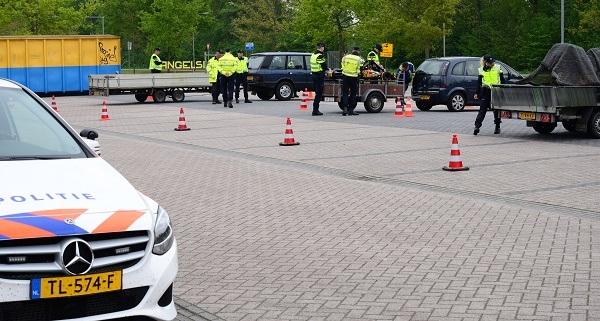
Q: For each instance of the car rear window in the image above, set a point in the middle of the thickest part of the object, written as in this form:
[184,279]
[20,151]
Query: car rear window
[254,62]
[433,66]
[473,67]
[295,62]
[277,63]
[28,130]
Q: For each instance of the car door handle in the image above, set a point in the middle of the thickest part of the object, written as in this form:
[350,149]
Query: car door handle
[290,73]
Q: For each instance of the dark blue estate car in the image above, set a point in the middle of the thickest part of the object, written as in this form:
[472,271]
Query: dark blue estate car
[282,74]
[451,81]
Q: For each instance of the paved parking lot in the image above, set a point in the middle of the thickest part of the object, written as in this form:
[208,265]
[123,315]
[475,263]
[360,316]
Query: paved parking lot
[359,222]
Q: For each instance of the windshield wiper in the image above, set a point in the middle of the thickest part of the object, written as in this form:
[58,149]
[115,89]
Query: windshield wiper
[14,158]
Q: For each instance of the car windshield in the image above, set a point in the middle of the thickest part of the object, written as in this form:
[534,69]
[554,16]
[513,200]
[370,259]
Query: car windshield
[432,67]
[28,130]
[254,62]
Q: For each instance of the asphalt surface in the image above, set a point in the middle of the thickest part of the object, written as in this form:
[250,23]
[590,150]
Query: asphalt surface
[359,222]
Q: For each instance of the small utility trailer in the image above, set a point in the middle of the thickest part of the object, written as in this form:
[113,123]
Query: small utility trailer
[577,107]
[374,93]
[159,86]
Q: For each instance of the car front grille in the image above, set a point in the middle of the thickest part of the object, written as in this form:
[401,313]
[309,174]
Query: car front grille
[71,308]
[36,258]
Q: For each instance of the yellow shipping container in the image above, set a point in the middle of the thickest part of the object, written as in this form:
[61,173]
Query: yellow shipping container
[58,63]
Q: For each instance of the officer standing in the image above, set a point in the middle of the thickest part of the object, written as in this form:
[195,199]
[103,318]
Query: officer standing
[241,77]
[373,58]
[227,66]
[318,65]
[155,64]
[489,74]
[212,68]
[350,70]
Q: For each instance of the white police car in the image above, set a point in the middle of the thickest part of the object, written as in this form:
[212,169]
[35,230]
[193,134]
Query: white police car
[77,241]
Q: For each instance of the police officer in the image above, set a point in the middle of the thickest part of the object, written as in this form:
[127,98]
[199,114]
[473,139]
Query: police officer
[241,77]
[212,68]
[318,65]
[350,71]
[373,58]
[489,74]
[227,66]
[155,64]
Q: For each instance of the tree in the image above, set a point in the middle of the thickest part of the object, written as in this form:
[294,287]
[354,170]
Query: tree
[263,22]
[42,17]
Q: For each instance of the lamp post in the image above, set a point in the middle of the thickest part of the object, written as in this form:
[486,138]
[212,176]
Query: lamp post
[101,20]
[562,21]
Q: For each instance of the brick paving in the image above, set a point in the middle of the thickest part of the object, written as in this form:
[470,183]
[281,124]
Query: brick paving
[312,233]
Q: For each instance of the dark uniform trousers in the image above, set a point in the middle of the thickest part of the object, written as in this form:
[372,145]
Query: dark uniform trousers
[349,87]
[241,79]
[227,84]
[318,79]
[215,89]
[485,101]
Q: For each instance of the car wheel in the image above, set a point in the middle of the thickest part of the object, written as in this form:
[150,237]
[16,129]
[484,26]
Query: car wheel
[265,94]
[424,106]
[284,91]
[374,102]
[544,128]
[159,96]
[141,97]
[178,95]
[594,125]
[570,125]
[456,102]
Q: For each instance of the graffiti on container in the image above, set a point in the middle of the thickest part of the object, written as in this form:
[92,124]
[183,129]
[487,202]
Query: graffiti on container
[107,55]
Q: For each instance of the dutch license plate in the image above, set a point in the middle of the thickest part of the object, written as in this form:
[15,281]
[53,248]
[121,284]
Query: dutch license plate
[330,99]
[424,97]
[526,115]
[46,288]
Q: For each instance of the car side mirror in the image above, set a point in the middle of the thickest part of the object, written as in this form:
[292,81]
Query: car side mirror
[89,134]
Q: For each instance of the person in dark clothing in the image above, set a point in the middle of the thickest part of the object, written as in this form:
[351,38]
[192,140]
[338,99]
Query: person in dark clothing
[318,65]
[489,74]
[404,75]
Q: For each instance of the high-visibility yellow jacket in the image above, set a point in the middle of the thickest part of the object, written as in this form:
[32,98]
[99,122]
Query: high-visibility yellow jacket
[351,65]
[242,66]
[212,68]
[228,64]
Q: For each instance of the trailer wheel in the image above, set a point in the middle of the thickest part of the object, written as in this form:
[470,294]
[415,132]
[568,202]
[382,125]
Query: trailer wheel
[265,94]
[570,125]
[544,128]
[594,125]
[374,102]
[159,96]
[141,97]
[178,95]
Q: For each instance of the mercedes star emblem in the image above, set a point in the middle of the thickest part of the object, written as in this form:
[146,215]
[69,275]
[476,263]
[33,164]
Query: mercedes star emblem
[77,257]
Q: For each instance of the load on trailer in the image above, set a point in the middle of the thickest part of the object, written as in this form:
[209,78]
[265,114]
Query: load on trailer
[565,88]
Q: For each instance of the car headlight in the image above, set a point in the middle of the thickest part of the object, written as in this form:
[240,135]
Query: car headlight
[163,233]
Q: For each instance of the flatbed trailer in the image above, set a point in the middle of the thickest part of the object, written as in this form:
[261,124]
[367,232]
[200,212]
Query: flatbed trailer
[159,86]
[374,93]
[577,107]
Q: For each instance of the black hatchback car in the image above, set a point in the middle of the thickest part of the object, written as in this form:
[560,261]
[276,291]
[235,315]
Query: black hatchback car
[282,74]
[451,81]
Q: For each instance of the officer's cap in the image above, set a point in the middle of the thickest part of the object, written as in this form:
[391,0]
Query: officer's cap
[320,45]
[156,49]
[240,51]
[488,58]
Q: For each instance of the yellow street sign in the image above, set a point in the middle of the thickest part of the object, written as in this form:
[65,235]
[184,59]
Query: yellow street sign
[388,50]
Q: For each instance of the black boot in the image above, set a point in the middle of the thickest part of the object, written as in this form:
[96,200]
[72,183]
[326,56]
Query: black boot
[497,130]
[237,100]
[247,101]
[352,112]
[317,113]
[230,104]
[344,111]
[215,102]
[476,131]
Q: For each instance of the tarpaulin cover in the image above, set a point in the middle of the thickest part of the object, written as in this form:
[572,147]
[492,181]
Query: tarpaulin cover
[565,65]
[594,55]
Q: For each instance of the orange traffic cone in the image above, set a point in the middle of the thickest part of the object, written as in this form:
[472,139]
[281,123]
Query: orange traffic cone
[288,139]
[303,102]
[399,108]
[311,95]
[408,109]
[104,115]
[182,125]
[455,163]
[150,98]
[54,105]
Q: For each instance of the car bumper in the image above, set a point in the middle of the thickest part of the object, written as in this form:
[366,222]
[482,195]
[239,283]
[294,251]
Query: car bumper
[433,97]
[154,271]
